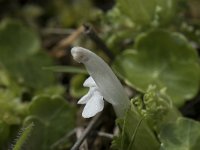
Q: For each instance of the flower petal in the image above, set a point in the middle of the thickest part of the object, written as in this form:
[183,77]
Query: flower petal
[87,97]
[89,82]
[93,106]
[106,81]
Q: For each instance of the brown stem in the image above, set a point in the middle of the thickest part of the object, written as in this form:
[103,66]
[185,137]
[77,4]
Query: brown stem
[89,31]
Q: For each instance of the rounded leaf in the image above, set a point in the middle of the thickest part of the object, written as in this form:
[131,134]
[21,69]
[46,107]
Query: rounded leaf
[164,59]
[146,12]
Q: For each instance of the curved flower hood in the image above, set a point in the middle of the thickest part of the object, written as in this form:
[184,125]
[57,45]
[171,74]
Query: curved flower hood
[106,81]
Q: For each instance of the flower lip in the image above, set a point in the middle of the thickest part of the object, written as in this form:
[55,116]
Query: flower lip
[89,82]
[78,54]
[94,105]
[93,100]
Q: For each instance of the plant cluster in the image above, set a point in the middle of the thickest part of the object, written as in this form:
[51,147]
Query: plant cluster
[150,45]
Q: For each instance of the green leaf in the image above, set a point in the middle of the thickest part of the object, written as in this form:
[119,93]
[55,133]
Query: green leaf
[135,133]
[163,59]
[145,12]
[181,135]
[52,117]
[17,41]
[31,73]
[66,69]
[52,90]
[20,55]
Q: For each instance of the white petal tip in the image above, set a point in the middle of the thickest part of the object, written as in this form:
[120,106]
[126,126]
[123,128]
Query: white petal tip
[86,116]
[79,54]
[89,82]
[80,102]
[85,98]
[89,115]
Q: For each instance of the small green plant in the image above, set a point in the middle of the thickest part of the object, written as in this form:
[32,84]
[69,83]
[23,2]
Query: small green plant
[23,137]
[142,75]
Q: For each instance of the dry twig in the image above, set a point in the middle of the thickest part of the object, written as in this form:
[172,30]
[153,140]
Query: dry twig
[59,49]
[89,31]
[89,128]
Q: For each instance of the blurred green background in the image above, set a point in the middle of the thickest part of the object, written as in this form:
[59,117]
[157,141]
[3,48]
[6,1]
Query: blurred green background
[149,42]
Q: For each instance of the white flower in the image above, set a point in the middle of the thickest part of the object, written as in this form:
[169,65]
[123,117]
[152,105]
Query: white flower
[93,99]
[105,81]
